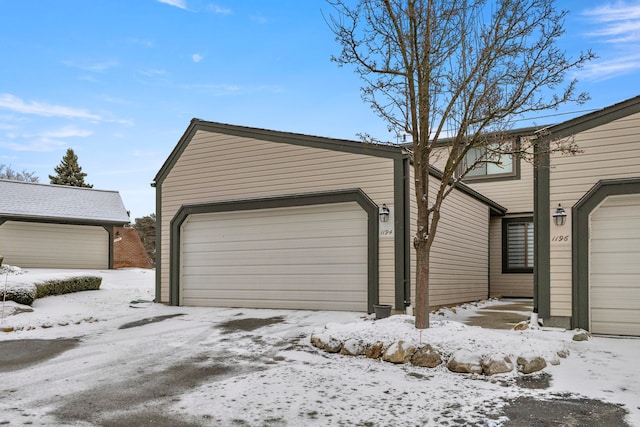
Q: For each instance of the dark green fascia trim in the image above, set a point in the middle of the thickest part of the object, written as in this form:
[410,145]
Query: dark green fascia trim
[402,255]
[505,246]
[541,236]
[519,132]
[580,242]
[54,220]
[592,120]
[378,150]
[109,229]
[305,199]
[158,297]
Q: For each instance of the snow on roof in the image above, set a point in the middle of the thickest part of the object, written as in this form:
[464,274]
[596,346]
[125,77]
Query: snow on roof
[60,202]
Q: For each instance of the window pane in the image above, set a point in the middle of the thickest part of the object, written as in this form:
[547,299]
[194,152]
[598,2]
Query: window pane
[505,166]
[520,245]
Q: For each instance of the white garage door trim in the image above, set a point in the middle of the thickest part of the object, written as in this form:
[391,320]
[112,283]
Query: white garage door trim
[302,257]
[614,266]
[46,245]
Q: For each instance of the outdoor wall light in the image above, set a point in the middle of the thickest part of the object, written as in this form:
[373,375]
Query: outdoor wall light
[560,216]
[384,213]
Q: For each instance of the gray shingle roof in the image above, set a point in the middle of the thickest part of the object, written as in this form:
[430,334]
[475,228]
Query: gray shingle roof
[60,202]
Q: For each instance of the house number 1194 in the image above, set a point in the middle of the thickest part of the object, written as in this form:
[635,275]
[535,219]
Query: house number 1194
[563,238]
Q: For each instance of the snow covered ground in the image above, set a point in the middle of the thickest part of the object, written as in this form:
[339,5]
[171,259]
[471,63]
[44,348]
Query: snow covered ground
[151,364]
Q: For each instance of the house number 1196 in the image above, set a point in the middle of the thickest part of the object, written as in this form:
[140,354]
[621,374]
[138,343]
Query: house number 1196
[563,238]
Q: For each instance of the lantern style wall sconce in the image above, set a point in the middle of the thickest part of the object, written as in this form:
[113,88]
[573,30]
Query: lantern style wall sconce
[384,213]
[560,216]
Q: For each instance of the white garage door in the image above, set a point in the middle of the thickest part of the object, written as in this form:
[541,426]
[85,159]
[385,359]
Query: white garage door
[29,244]
[310,257]
[614,273]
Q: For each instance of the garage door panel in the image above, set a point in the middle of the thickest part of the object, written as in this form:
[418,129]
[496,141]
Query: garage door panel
[614,266]
[28,244]
[290,283]
[309,257]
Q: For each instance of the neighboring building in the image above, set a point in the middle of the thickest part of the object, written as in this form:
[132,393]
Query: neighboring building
[128,250]
[53,226]
[258,218]
[588,270]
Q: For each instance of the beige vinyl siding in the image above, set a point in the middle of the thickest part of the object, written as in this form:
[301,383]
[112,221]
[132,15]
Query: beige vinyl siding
[459,255]
[514,194]
[217,167]
[505,285]
[609,151]
[38,245]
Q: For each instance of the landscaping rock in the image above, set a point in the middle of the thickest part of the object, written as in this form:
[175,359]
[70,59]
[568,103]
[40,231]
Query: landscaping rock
[11,308]
[530,364]
[465,362]
[426,357]
[398,352]
[353,347]
[374,351]
[581,336]
[326,343]
[496,364]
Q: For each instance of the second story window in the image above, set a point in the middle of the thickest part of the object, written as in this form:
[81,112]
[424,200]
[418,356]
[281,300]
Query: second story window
[491,161]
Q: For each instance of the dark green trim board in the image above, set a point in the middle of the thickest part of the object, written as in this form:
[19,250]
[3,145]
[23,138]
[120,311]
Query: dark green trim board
[580,242]
[402,263]
[541,237]
[306,199]
[109,229]
[592,120]
[158,243]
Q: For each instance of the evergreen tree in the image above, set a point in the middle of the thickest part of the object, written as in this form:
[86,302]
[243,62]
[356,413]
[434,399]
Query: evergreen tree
[69,172]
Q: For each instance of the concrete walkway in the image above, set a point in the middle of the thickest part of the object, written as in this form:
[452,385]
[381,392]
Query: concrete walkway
[503,316]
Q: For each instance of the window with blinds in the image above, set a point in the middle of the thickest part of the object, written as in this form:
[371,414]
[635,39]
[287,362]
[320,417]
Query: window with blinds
[517,245]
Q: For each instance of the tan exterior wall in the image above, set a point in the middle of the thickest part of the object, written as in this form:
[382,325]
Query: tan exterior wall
[217,167]
[610,151]
[459,256]
[505,285]
[517,196]
[514,194]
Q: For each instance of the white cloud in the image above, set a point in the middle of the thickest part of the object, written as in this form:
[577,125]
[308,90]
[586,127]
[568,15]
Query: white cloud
[605,69]
[219,9]
[197,57]
[617,24]
[182,4]
[13,103]
[66,132]
[95,67]
[49,140]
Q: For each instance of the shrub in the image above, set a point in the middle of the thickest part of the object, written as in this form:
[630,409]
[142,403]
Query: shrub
[68,285]
[23,294]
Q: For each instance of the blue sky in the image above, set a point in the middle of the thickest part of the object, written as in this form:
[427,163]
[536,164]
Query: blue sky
[119,80]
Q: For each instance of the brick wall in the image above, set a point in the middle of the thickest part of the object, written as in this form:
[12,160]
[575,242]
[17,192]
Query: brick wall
[128,250]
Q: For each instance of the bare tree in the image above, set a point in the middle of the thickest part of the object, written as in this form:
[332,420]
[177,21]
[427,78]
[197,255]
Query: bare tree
[463,70]
[7,173]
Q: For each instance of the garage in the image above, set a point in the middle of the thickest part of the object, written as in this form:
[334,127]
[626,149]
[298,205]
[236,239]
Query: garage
[297,257]
[42,245]
[614,271]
